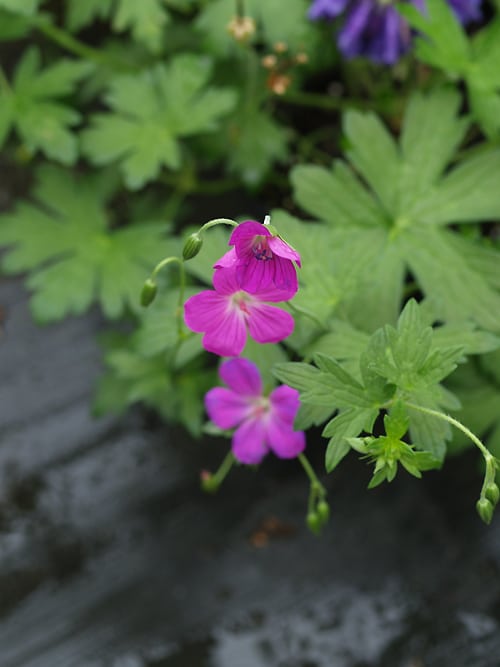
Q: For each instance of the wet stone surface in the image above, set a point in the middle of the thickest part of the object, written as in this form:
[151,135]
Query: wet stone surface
[110,556]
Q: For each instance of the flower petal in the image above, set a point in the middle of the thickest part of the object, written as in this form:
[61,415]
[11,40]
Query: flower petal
[282,249]
[201,310]
[242,376]
[227,336]
[243,236]
[226,408]
[224,327]
[268,324]
[225,280]
[274,279]
[285,403]
[283,440]
[228,260]
[249,442]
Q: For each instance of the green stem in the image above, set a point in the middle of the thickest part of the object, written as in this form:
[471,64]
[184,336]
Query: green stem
[213,482]
[330,103]
[489,458]
[217,221]
[316,485]
[182,288]
[73,45]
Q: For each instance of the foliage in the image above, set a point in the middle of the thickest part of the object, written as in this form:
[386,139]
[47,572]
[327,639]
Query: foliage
[127,125]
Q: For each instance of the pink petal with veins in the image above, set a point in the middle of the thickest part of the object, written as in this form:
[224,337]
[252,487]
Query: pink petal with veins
[242,376]
[268,324]
[249,442]
[226,408]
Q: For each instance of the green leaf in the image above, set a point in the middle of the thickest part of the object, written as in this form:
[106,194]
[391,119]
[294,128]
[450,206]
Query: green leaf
[26,7]
[459,291]
[311,415]
[485,105]
[256,142]
[348,423]
[430,136]
[396,421]
[80,14]
[158,328]
[73,258]
[30,106]
[13,26]
[336,196]
[469,193]
[298,375]
[443,42]
[374,153]
[152,111]
[146,19]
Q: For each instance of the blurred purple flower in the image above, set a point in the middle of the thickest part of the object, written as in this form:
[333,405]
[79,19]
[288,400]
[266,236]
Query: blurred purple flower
[375,30]
[263,423]
[262,261]
[227,314]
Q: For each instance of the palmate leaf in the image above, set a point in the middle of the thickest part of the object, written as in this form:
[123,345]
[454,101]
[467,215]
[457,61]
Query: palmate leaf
[443,43]
[256,142]
[406,191]
[31,106]
[72,257]
[152,111]
[145,19]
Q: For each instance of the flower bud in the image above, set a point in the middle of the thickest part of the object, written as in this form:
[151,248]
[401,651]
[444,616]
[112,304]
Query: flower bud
[148,293]
[492,493]
[323,510]
[208,482]
[485,509]
[242,28]
[192,246]
[314,522]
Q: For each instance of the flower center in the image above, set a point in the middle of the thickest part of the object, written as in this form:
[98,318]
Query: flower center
[260,249]
[241,300]
[260,407]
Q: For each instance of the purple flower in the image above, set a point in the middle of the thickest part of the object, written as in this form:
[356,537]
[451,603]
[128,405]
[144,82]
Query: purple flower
[466,10]
[262,261]
[375,30]
[228,313]
[263,423]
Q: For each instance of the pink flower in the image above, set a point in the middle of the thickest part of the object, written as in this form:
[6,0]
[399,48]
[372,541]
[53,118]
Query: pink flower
[263,423]
[228,313]
[261,260]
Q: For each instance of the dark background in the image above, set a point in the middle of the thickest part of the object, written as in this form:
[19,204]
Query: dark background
[111,556]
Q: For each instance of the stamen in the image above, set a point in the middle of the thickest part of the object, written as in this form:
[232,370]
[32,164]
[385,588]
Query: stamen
[261,250]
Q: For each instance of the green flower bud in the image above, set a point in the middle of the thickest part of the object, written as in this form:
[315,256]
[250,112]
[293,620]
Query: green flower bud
[209,483]
[148,293]
[323,510]
[485,509]
[492,493]
[192,246]
[314,522]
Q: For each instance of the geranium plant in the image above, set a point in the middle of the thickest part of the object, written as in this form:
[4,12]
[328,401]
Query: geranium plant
[353,283]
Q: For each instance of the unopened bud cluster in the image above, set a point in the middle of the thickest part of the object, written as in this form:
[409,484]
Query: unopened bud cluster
[280,63]
[242,28]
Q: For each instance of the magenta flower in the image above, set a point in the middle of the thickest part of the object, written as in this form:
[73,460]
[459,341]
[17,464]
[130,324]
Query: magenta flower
[227,314]
[262,261]
[263,423]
